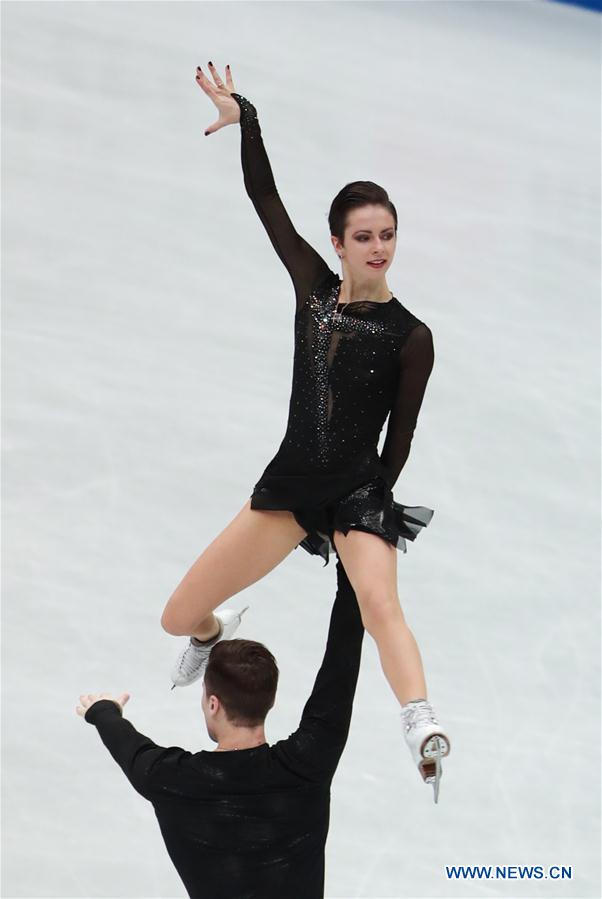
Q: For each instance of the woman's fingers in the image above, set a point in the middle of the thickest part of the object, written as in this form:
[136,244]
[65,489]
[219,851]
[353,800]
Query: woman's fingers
[220,87]
[215,75]
[203,81]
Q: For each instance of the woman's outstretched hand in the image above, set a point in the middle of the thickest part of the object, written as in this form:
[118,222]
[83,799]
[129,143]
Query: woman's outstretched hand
[229,110]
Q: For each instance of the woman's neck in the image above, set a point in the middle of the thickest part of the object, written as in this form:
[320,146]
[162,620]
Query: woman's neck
[353,291]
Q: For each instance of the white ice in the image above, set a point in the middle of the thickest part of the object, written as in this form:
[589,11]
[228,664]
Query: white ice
[147,364]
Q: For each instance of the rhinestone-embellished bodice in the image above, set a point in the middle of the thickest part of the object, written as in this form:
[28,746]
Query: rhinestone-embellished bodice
[345,375]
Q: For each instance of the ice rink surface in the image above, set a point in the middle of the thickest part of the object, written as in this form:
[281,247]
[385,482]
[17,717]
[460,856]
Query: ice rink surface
[148,334]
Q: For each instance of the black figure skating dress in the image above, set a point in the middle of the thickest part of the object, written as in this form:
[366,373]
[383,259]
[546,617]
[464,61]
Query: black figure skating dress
[351,369]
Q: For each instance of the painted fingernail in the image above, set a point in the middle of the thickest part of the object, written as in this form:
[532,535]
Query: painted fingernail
[227,66]
[198,68]
[210,63]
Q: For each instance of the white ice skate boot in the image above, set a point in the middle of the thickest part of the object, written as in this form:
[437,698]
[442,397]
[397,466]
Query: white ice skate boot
[428,743]
[192,661]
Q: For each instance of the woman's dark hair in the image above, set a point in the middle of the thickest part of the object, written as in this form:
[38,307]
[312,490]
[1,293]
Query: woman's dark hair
[243,675]
[352,196]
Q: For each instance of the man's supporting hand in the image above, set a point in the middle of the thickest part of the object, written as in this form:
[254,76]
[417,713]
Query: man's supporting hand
[88,699]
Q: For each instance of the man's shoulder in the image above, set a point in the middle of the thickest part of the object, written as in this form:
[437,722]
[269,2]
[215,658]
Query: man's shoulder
[271,767]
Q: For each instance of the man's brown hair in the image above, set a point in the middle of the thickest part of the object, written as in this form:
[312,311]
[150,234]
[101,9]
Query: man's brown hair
[243,674]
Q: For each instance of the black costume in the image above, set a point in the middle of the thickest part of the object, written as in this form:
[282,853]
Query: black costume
[351,369]
[251,823]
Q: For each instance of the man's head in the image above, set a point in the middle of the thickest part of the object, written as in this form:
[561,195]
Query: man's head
[239,686]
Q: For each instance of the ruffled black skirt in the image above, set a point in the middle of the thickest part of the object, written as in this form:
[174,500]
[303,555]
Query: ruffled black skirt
[370,508]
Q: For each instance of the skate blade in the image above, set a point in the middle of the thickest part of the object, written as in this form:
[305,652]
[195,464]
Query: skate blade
[431,769]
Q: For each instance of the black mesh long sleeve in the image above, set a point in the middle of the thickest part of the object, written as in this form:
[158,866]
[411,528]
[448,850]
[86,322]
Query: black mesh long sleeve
[305,266]
[416,360]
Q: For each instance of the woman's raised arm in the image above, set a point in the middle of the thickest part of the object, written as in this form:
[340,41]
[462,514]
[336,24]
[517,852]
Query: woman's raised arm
[305,266]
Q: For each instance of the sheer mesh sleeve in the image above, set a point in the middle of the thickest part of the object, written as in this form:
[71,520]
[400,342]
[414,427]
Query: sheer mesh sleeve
[305,266]
[416,361]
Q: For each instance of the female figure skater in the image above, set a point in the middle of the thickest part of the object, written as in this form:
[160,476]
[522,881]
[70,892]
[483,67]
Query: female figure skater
[359,355]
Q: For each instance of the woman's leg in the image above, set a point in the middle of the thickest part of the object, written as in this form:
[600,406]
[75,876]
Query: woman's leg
[249,547]
[371,565]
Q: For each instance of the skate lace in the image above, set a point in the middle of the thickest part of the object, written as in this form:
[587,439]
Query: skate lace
[192,657]
[418,715]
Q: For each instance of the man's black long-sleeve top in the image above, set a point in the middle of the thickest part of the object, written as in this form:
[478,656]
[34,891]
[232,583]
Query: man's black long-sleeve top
[252,823]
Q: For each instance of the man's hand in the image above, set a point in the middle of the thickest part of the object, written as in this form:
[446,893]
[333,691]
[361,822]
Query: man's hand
[88,699]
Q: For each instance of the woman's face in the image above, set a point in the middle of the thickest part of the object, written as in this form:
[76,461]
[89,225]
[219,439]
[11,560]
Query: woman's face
[369,236]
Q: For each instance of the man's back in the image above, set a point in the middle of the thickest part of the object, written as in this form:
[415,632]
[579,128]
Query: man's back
[240,824]
[251,823]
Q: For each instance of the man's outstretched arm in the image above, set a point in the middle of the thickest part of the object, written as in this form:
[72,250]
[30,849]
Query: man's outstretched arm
[137,755]
[315,748]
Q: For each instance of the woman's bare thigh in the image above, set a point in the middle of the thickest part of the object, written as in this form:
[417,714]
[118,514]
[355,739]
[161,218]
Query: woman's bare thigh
[254,542]
[370,563]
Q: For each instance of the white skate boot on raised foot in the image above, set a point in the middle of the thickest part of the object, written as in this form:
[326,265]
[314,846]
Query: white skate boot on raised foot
[192,661]
[428,744]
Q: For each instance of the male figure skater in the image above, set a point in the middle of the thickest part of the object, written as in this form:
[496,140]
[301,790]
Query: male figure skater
[248,820]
